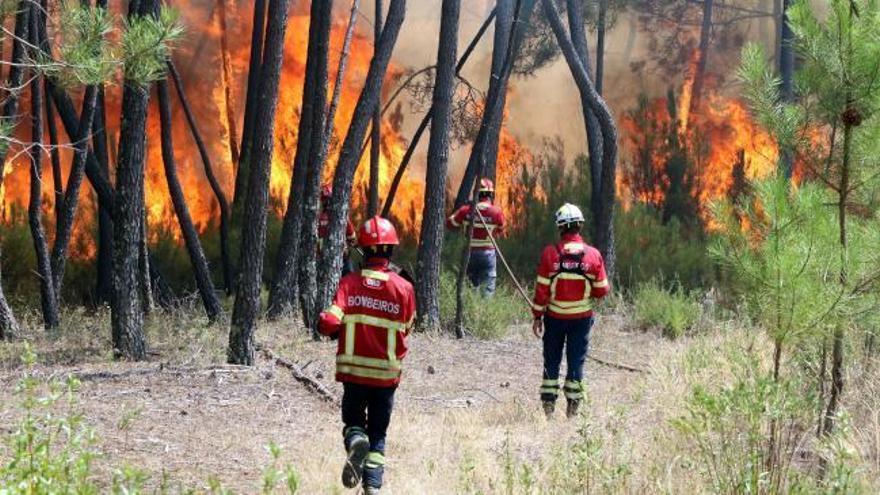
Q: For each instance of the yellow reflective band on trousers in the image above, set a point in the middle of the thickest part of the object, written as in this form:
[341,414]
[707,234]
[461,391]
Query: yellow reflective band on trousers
[574,390]
[550,387]
[368,367]
[374,460]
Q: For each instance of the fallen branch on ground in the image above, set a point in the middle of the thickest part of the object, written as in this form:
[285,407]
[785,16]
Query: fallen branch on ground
[310,383]
[619,366]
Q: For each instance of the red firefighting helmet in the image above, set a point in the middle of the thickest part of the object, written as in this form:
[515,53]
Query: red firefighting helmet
[487,187]
[377,231]
[326,191]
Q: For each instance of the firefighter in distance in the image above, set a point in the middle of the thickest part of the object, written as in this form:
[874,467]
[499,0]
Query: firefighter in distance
[481,269]
[571,274]
[371,315]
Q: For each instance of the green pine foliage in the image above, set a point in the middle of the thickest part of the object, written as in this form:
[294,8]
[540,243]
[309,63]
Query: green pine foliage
[146,45]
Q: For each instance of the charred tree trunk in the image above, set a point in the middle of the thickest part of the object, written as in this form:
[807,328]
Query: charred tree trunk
[786,73]
[376,132]
[48,298]
[201,272]
[600,46]
[331,255]
[702,57]
[594,133]
[253,239]
[431,239]
[250,110]
[216,188]
[127,308]
[477,160]
[145,270]
[54,157]
[104,285]
[228,84]
[337,85]
[285,287]
[503,26]
[417,136]
[605,222]
[309,239]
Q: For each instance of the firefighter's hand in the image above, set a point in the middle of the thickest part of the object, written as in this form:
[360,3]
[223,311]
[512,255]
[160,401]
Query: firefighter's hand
[538,327]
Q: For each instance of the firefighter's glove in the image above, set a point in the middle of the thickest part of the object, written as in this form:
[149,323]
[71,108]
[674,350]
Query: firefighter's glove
[538,327]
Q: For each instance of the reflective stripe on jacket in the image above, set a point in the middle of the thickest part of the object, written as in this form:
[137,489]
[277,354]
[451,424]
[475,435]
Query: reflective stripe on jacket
[565,295]
[372,313]
[493,217]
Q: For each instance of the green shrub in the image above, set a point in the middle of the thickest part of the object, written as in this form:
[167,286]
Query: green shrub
[483,318]
[673,311]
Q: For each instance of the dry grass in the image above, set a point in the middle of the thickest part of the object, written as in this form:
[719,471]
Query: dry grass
[467,417]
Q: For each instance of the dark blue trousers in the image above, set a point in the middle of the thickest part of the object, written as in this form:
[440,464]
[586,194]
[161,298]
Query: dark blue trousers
[573,338]
[366,410]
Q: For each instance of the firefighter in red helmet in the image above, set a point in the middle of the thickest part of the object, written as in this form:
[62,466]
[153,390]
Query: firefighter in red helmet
[372,313]
[481,269]
[324,227]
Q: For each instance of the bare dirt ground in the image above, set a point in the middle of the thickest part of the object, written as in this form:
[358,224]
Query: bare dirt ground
[462,407]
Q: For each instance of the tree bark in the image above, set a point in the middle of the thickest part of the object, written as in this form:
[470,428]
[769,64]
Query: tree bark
[600,46]
[503,26]
[477,160]
[201,272]
[216,188]
[786,73]
[431,239]
[417,136]
[253,241]
[309,239]
[16,71]
[48,298]
[250,111]
[228,84]
[145,269]
[376,131]
[55,158]
[605,223]
[285,287]
[702,57]
[331,255]
[591,123]
[104,262]
[127,306]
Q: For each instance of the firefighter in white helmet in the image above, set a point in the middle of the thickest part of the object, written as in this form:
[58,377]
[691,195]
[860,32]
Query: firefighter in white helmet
[571,274]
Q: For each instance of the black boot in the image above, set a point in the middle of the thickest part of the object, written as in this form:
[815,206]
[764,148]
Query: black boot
[572,410]
[549,407]
[358,446]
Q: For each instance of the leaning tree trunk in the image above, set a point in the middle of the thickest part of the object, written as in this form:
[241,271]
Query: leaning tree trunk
[477,160]
[503,26]
[253,241]
[600,46]
[127,310]
[423,125]
[48,298]
[605,231]
[104,285]
[250,111]
[228,84]
[431,239]
[54,157]
[376,132]
[786,74]
[201,272]
[285,287]
[702,58]
[594,134]
[331,254]
[217,189]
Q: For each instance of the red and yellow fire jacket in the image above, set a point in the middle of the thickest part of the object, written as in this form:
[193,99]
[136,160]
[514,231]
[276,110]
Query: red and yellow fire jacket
[372,314]
[493,216]
[570,273]
[324,229]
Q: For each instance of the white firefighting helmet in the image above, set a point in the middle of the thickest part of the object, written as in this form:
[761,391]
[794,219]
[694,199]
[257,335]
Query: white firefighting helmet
[568,214]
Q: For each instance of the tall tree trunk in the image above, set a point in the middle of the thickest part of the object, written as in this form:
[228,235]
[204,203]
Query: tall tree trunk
[605,231]
[786,73]
[242,173]
[55,158]
[503,26]
[253,240]
[600,46]
[340,80]
[494,101]
[201,272]
[64,230]
[423,125]
[104,262]
[376,133]
[431,239]
[702,57]
[216,188]
[309,239]
[591,123]
[127,308]
[285,289]
[331,255]
[16,71]
[145,269]
[48,298]
[228,84]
